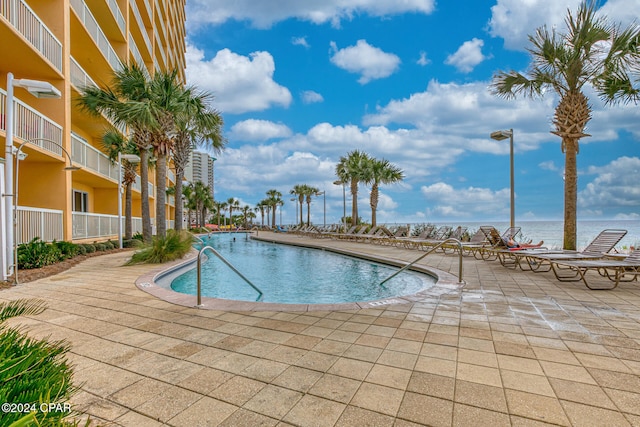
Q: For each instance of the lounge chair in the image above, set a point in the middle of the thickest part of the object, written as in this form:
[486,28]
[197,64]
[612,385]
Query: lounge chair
[495,242]
[540,260]
[440,235]
[616,270]
[409,242]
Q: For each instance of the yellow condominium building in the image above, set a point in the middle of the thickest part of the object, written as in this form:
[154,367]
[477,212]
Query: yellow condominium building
[49,51]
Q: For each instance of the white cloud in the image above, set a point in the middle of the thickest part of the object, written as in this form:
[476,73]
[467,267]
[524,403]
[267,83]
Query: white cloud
[467,56]
[300,41]
[239,83]
[368,61]
[311,97]
[423,60]
[614,187]
[515,20]
[264,13]
[548,165]
[258,130]
[470,202]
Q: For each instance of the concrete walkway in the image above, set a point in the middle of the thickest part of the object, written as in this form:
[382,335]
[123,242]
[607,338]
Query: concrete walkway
[508,348]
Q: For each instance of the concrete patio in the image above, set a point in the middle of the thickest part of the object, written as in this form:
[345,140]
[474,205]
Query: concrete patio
[507,348]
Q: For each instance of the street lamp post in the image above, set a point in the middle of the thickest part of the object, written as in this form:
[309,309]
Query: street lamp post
[324,207]
[38,89]
[133,158]
[21,156]
[499,136]
[293,199]
[344,203]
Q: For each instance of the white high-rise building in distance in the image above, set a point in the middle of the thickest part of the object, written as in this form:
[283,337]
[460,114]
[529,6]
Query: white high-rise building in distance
[200,168]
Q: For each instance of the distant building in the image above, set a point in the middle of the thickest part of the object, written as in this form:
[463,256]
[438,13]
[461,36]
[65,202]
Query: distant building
[200,168]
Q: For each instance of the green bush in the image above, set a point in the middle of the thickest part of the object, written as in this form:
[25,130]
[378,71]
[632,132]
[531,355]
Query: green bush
[138,236]
[33,371]
[100,247]
[82,250]
[110,245]
[37,254]
[132,243]
[67,249]
[89,247]
[174,246]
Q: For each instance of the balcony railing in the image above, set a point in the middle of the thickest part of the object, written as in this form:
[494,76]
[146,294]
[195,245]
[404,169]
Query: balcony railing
[79,77]
[25,20]
[96,33]
[91,158]
[30,125]
[115,9]
[47,224]
[136,52]
[143,30]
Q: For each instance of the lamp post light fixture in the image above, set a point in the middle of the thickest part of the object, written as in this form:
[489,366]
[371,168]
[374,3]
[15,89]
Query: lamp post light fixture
[21,156]
[324,207]
[344,203]
[133,158]
[38,89]
[499,136]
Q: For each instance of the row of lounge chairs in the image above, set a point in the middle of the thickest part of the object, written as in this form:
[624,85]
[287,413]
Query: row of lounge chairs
[489,244]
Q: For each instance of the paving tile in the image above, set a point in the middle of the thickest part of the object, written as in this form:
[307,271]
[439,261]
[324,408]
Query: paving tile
[464,416]
[264,370]
[398,359]
[537,407]
[296,378]
[238,390]
[426,410]
[476,357]
[206,411]
[389,376]
[349,368]
[432,385]
[480,395]
[478,374]
[242,417]
[273,401]
[378,398]
[582,415]
[334,387]
[316,361]
[354,416]
[315,411]
[363,352]
[625,400]
[581,393]
[567,372]
[168,403]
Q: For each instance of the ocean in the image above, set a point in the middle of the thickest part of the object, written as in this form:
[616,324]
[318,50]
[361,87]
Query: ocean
[552,231]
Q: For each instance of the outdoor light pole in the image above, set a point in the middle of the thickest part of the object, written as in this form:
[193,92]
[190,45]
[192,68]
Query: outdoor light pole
[38,89]
[293,199]
[499,136]
[133,158]
[344,203]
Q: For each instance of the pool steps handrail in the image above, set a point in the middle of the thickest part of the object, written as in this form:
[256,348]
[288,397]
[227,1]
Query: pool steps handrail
[458,243]
[235,270]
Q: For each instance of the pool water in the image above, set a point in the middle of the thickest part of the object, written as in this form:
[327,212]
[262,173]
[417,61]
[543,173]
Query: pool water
[294,275]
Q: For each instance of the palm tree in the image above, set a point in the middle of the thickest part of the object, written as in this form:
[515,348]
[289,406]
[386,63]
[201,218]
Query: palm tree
[125,105]
[299,190]
[274,197]
[114,143]
[587,54]
[232,203]
[380,172]
[351,168]
[309,192]
[260,207]
[196,124]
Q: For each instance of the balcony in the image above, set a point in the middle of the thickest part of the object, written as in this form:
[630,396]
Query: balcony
[115,9]
[30,125]
[38,222]
[96,33]
[27,23]
[80,78]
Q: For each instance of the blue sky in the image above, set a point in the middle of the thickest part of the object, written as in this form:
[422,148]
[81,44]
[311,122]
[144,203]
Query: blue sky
[301,83]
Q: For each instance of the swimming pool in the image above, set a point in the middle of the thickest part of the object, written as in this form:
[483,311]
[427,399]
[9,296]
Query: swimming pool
[294,275]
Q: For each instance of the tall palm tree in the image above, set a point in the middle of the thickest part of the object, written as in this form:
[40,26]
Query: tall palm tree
[125,104]
[196,125]
[299,191]
[232,203]
[566,62]
[115,143]
[309,192]
[351,168]
[260,207]
[274,197]
[380,172]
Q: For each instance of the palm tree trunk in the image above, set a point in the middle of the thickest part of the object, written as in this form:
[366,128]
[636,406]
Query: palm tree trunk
[128,226]
[273,217]
[177,225]
[144,194]
[301,217]
[161,195]
[354,202]
[374,204]
[308,214]
[570,194]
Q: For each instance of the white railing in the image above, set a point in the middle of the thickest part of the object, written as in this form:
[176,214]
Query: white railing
[47,224]
[30,125]
[161,20]
[25,20]
[115,9]
[143,29]
[79,77]
[160,48]
[91,226]
[96,33]
[136,53]
[91,158]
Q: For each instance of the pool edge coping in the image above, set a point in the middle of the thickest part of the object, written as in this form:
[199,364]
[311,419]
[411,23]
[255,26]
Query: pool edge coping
[445,283]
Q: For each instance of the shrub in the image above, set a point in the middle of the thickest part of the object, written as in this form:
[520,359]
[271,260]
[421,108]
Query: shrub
[37,254]
[138,236]
[133,243]
[90,248]
[173,246]
[32,371]
[100,247]
[82,250]
[110,245]
[67,249]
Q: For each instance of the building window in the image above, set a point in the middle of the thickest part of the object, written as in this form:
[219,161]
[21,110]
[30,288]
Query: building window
[80,201]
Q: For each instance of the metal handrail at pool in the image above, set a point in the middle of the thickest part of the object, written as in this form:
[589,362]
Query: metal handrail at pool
[216,253]
[458,243]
